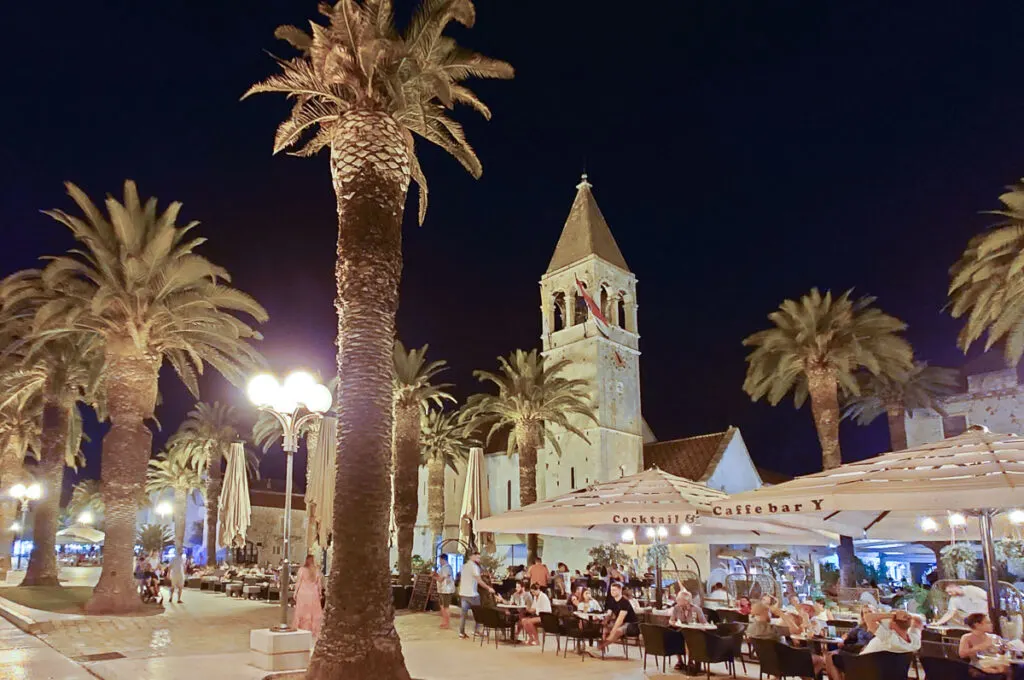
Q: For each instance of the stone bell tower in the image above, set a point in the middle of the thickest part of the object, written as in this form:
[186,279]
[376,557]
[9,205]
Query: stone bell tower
[607,355]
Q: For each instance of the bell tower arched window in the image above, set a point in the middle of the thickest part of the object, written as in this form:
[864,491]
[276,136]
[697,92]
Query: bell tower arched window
[559,311]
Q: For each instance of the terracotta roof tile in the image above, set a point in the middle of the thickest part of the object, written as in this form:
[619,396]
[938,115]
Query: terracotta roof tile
[694,458]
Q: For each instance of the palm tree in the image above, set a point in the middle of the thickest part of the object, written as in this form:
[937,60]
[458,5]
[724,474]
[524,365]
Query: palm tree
[413,392]
[534,401]
[814,348]
[363,89]
[19,437]
[175,470]
[154,537]
[205,438]
[87,496]
[896,395]
[443,443]
[138,286]
[987,282]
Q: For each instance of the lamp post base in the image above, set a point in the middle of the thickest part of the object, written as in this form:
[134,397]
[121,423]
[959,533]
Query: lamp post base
[271,650]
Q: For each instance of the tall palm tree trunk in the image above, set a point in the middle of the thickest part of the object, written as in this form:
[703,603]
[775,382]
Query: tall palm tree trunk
[180,511]
[407,465]
[370,169]
[42,565]
[214,480]
[527,443]
[435,501]
[131,384]
[11,471]
[824,391]
[897,428]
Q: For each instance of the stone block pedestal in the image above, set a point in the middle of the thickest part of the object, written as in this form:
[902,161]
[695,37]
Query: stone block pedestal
[272,651]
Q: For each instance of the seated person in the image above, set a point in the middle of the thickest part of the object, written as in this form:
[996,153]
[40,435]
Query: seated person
[718,594]
[588,605]
[621,620]
[856,639]
[743,605]
[896,631]
[685,611]
[628,594]
[760,625]
[981,640]
[521,597]
[541,605]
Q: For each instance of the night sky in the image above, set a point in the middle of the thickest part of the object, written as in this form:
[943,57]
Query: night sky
[742,152]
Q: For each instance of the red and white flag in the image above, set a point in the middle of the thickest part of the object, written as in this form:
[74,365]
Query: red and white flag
[595,311]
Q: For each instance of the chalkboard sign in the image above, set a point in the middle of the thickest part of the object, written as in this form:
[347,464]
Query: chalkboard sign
[422,592]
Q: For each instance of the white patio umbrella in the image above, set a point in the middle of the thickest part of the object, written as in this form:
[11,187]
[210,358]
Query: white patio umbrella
[646,507]
[235,509]
[475,505]
[320,478]
[968,478]
[79,533]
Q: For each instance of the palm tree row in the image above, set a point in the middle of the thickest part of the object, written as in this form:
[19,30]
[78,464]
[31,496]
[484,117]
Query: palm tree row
[94,327]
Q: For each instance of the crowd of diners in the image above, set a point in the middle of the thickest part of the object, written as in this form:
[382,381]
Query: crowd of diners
[794,621]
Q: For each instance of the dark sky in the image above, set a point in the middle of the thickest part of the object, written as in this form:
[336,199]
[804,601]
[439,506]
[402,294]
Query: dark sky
[742,153]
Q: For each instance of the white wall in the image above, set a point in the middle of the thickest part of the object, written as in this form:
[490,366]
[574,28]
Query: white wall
[735,471]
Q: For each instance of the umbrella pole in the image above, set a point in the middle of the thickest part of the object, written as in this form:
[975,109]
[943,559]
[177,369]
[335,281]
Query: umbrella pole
[988,557]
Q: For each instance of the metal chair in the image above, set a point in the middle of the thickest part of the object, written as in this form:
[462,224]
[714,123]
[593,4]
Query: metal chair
[550,625]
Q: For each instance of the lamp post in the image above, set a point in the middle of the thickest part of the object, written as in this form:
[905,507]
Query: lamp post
[25,494]
[298,401]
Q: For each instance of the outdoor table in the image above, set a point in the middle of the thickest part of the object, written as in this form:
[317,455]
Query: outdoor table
[695,626]
[589,616]
[818,641]
[559,602]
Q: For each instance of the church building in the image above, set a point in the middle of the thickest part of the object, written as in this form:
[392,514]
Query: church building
[607,355]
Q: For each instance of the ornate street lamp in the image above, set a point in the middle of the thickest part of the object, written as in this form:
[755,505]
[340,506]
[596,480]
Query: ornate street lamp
[298,401]
[24,495]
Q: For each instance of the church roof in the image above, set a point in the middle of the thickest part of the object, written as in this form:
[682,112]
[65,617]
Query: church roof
[693,457]
[585,233]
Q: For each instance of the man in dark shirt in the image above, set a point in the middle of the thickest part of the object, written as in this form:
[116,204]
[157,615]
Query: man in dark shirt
[620,618]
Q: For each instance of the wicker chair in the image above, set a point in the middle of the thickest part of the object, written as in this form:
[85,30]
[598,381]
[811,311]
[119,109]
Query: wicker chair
[661,641]
[706,648]
[878,666]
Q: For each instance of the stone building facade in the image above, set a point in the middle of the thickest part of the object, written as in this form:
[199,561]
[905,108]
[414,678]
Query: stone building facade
[608,357]
[992,396]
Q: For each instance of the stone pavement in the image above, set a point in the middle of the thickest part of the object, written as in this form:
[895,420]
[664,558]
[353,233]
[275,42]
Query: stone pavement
[25,657]
[208,637]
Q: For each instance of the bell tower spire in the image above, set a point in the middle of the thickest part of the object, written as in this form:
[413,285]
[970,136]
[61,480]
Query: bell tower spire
[589,317]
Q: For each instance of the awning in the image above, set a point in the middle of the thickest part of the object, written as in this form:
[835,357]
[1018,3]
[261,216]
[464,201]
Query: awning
[80,533]
[674,509]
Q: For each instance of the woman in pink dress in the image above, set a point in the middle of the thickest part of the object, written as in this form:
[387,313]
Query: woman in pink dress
[308,586]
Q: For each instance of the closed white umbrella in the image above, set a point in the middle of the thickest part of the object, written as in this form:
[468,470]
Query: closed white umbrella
[78,533]
[475,505]
[674,509]
[235,509]
[973,476]
[320,478]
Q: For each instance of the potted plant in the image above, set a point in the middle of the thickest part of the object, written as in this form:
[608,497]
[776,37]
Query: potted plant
[959,559]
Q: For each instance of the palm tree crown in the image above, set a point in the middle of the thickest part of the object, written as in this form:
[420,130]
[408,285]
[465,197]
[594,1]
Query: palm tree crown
[138,281]
[444,439]
[360,62]
[207,432]
[987,282]
[921,388]
[529,393]
[413,375]
[86,495]
[820,334]
[172,470]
